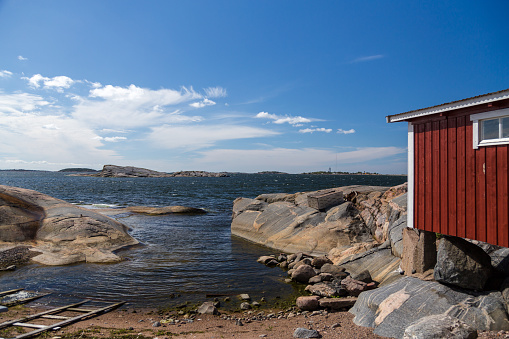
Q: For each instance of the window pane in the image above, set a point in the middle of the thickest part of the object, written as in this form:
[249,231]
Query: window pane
[490,129]
[505,127]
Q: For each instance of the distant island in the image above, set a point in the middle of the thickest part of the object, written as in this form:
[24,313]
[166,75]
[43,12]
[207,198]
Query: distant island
[113,171]
[346,173]
[78,170]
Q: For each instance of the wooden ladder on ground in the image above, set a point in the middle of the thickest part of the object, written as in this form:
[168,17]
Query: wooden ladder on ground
[53,315]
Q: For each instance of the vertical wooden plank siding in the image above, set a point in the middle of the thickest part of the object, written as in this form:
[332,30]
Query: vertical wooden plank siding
[491,195]
[460,166]
[480,191]
[428,171]
[421,180]
[459,190]
[435,135]
[503,195]
[470,183]
[451,161]
[444,204]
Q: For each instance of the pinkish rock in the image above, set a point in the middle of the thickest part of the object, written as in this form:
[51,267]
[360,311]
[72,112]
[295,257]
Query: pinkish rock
[303,273]
[308,303]
[354,287]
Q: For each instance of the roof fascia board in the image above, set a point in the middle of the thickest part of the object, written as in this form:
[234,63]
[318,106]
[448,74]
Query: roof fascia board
[449,107]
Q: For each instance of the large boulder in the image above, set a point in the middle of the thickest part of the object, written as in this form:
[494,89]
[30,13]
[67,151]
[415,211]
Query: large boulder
[286,222]
[303,273]
[392,308]
[62,232]
[463,264]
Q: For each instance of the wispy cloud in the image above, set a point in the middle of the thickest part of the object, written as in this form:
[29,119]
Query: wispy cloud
[282,119]
[367,58]
[21,58]
[110,139]
[311,130]
[342,131]
[215,92]
[203,103]
[5,74]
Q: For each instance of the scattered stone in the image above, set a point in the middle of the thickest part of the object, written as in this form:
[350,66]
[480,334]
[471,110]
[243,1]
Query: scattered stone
[268,260]
[245,296]
[282,257]
[208,308]
[315,280]
[238,322]
[336,325]
[327,289]
[354,287]
[463,264]
[156,324]
[337,271]
[226,299]
[315,313]
[255,304]
[318,262]
[308,303]
[245,306]
[305,333]
[303,273]
[363,276]
[440,326]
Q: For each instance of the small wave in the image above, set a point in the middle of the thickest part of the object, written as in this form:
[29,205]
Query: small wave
[99,206]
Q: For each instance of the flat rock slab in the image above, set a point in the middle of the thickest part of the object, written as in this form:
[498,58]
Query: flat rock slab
[337,303]
[394,307]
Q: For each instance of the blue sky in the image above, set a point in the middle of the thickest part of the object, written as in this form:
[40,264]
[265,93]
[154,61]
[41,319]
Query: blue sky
[244,86]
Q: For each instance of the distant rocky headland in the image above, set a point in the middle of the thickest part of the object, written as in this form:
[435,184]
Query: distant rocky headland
[112,171]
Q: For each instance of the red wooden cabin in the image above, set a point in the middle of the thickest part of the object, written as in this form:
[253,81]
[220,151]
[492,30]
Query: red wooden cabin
[458,168]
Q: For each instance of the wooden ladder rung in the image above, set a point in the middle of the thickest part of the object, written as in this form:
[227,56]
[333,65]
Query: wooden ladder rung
[30,325]
[84,310]
[50,316]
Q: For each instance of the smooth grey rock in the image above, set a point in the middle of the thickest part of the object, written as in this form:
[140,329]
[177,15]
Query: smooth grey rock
[379,261]
[461,263]
[208,308]
[303,273]
[245,306]
[500,260]
[439,326]
[3,309]
[390,309]
[245,296]
[305,333]
[396,234]
[363,276]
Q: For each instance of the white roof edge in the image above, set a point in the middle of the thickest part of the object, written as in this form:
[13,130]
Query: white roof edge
[483,99]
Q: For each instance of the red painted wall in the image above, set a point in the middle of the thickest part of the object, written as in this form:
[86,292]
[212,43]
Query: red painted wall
[459,190]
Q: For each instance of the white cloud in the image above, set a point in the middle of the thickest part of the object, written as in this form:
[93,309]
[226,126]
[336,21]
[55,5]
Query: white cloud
[215,92]
[311,130]
[51,138]
[118,107]
[22,58]
[279,119]
[110,139]
[203,103]
[5,74]
[290,160]
[368,58]
[58,83]
[20,102]
[196,137]
[342,131]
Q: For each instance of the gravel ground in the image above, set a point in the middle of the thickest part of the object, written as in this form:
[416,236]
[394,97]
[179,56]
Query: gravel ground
[15,256]
[141,324]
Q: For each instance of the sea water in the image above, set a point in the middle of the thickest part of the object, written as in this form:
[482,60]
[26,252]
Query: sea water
[182,258]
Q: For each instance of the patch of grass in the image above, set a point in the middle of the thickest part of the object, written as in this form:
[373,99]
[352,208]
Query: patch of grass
[120,331]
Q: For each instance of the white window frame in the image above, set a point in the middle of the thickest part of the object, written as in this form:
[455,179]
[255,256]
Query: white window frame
[476,126]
